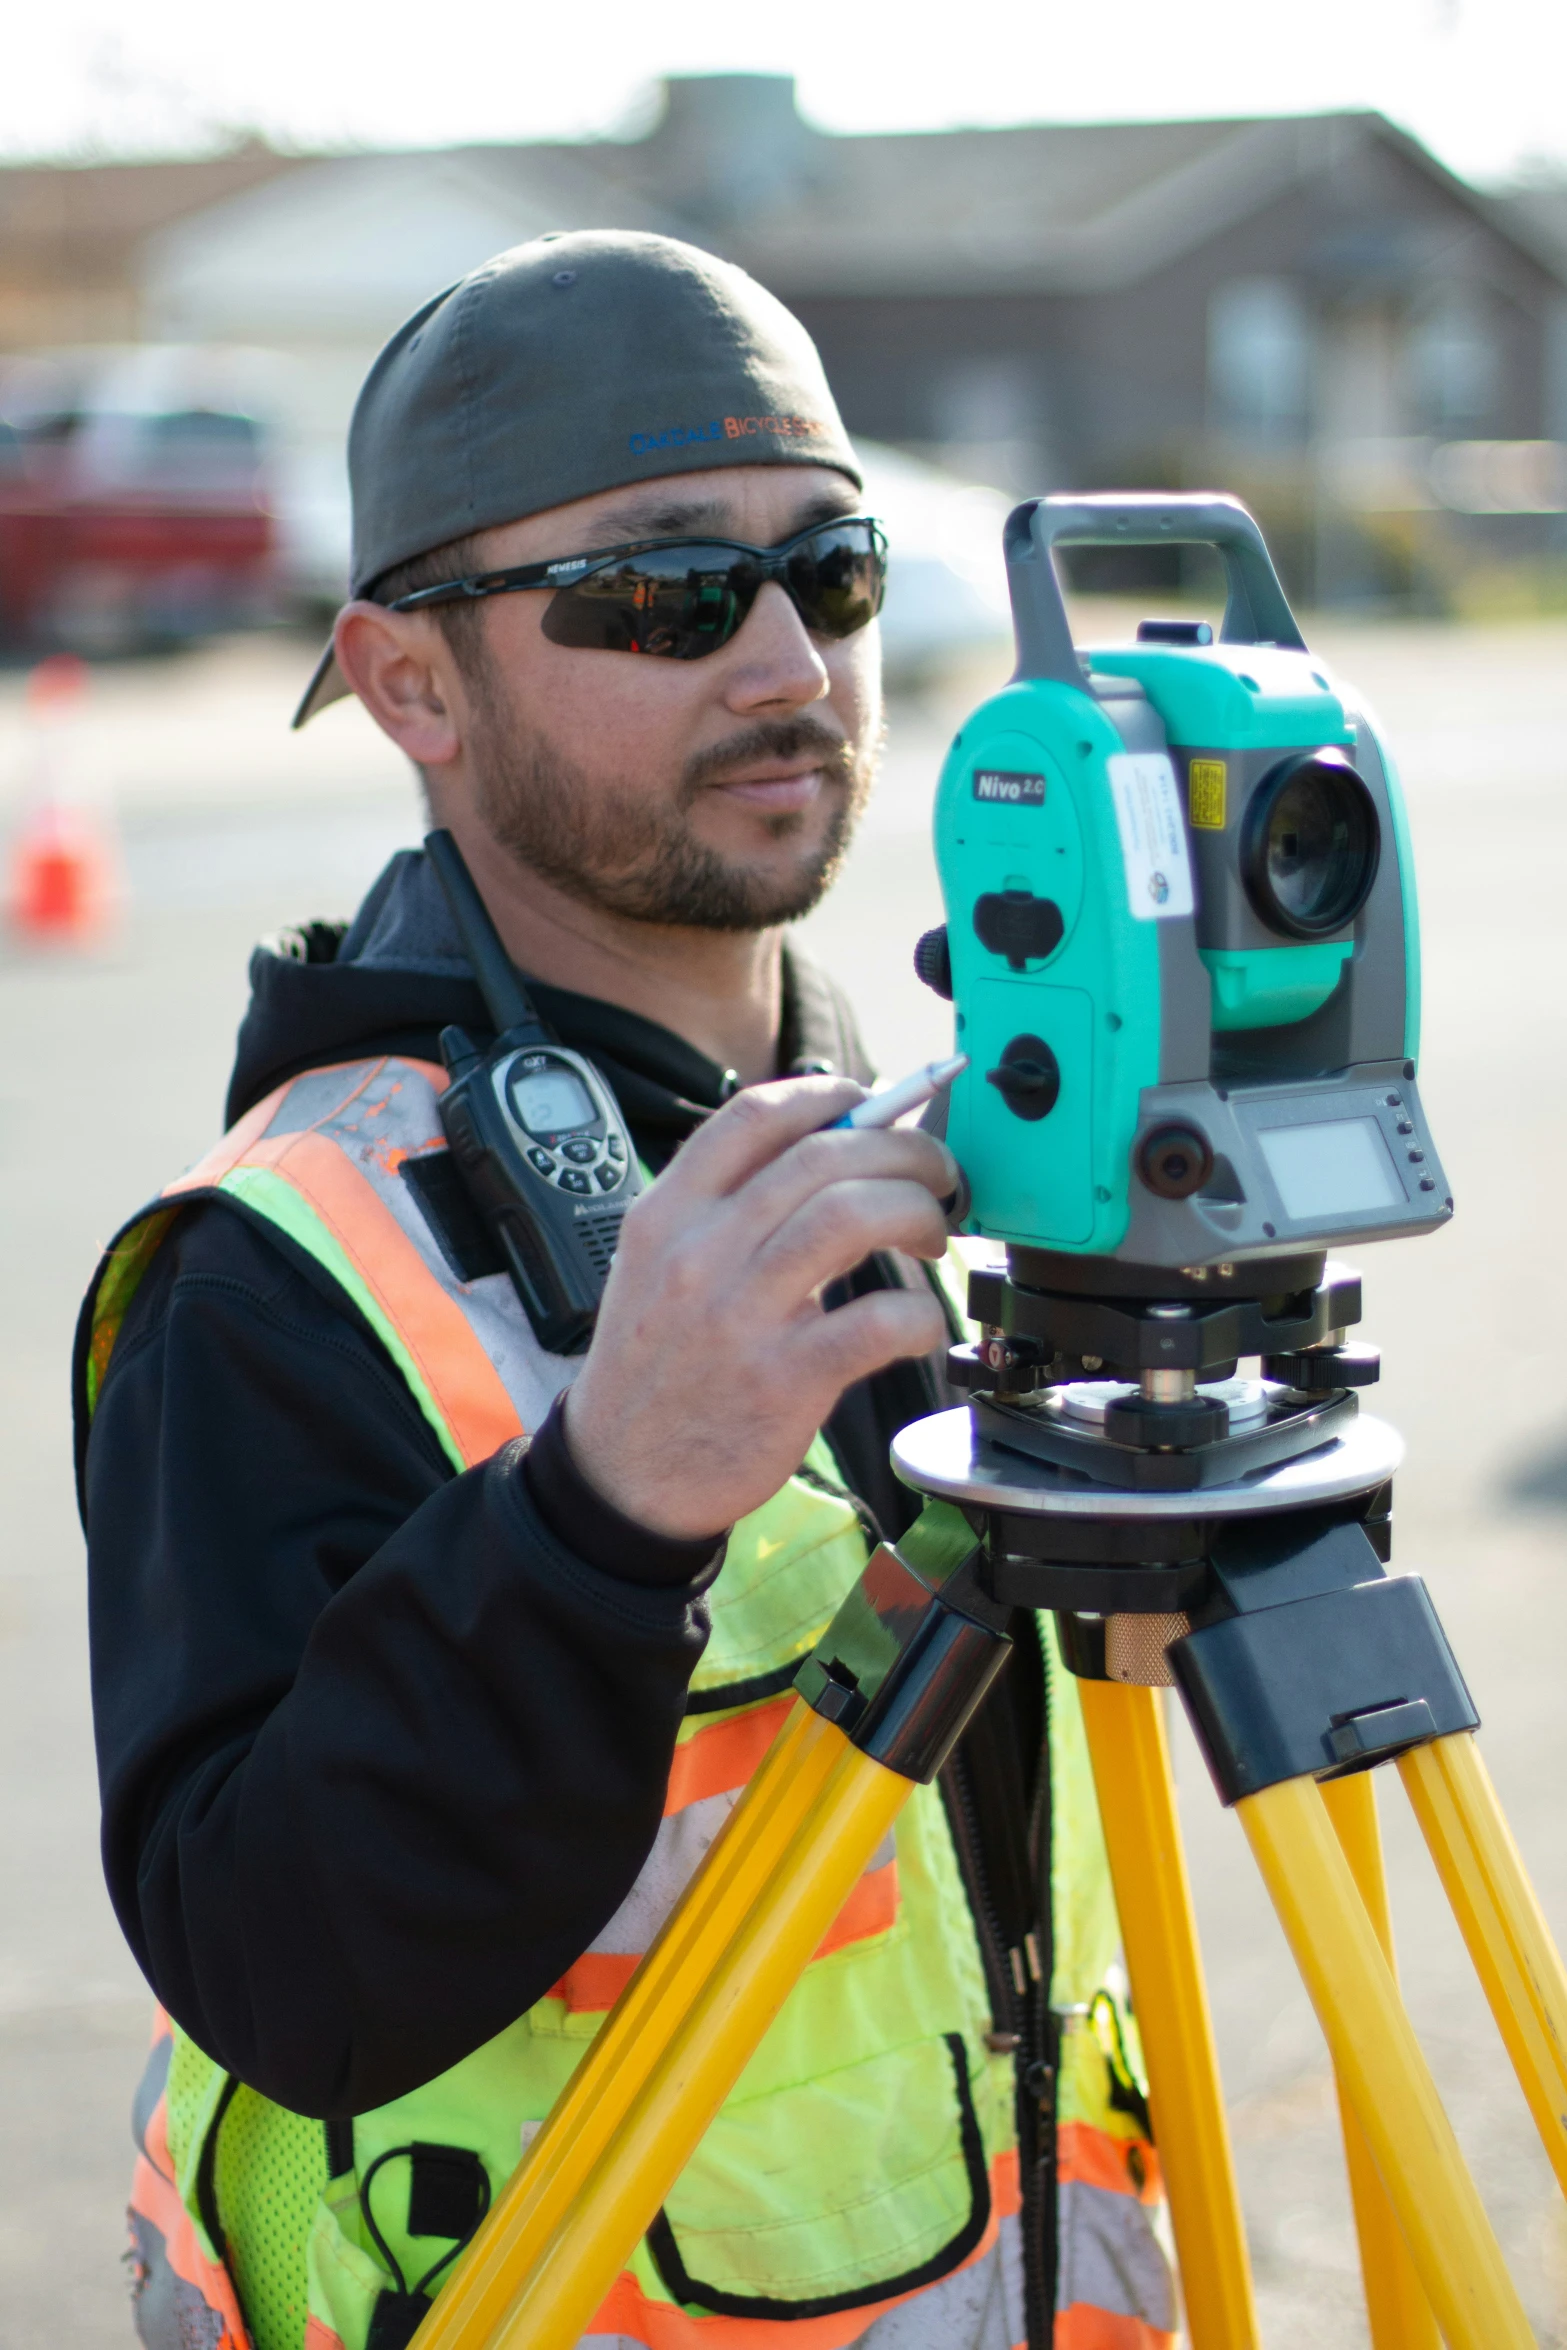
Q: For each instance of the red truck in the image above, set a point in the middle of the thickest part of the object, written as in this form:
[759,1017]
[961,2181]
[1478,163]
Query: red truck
[127,522]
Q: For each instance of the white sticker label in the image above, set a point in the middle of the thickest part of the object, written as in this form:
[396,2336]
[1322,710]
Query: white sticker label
[1153,836]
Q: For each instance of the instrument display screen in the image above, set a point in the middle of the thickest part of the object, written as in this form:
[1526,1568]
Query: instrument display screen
[549,1101]
[1340,1168]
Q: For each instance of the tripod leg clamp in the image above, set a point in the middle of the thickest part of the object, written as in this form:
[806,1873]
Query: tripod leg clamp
[913,1649]
[1313,1660]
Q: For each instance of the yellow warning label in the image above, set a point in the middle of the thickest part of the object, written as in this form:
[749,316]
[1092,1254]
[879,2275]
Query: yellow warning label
[1207,794]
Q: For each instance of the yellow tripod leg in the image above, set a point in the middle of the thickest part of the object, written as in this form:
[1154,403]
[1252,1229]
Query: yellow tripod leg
[1130,1756]
[1500,1919]
[1397,2310]
[1383,2073]
[681,2034]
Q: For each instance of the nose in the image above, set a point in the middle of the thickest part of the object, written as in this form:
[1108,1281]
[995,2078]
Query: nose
[771,663]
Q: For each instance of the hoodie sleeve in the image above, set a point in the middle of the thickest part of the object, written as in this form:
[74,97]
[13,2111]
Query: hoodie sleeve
[380,1748]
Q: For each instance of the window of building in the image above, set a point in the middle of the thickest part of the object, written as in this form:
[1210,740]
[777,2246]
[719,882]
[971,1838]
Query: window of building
[1259,360]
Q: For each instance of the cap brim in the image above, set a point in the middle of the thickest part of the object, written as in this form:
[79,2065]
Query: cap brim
[328,684]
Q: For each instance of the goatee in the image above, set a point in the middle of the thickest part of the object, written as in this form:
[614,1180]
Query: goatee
[639,855]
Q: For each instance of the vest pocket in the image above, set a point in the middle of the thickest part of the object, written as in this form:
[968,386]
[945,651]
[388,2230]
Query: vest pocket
[844,2190]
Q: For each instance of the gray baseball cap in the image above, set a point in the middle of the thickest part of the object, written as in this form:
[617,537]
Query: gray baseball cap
[573,364]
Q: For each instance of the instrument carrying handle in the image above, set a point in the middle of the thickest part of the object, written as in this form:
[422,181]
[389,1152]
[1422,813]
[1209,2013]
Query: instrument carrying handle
[1256,610]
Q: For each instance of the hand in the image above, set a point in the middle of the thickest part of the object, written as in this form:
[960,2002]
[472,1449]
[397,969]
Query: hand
[713,1364]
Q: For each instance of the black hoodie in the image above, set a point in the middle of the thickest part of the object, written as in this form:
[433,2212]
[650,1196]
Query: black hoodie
[381,1747]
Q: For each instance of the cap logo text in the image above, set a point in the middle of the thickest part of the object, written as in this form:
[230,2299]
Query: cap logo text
[783,428]
[675,436]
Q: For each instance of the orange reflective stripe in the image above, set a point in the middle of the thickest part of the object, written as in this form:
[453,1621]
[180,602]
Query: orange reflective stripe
[592,1983]
[229,1148]
[1085,2328]
[1100,2160]
[718,1760]
[464,1383]
[156,2199]
[663,2325]
[872,1908]
[595,1981]
[321,2337]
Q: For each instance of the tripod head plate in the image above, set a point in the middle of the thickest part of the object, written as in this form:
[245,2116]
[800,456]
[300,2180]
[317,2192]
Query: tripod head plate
[947,1456]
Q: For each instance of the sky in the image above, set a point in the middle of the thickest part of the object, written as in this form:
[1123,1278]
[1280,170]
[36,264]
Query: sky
[1480,81]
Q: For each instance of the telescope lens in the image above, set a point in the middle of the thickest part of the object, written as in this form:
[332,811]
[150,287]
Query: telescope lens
[1310,846]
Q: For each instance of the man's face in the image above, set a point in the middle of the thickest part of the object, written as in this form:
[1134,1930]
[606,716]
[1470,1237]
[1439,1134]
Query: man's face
[715,794]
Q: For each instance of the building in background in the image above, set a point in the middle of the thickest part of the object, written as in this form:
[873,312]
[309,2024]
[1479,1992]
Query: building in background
[1311,311]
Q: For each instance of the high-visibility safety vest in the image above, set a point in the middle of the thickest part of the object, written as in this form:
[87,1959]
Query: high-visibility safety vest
[868,2153]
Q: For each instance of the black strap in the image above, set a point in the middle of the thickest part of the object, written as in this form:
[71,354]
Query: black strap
[339,2146]
[207,2171]
[448,2195]
[207,2194]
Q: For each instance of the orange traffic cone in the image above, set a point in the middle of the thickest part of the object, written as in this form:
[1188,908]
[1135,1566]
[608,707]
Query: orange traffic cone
[63,878]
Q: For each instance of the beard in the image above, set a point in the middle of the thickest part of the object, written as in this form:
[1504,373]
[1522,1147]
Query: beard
[636,853]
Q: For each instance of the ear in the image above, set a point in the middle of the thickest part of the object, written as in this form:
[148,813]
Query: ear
[400,666]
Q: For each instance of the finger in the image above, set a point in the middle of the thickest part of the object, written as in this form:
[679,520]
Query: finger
[753,1129]
[837,1229]
[841,1155]
[862,1338]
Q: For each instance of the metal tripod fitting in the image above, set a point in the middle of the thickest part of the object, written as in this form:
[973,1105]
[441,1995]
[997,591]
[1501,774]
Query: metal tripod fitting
[910,1655]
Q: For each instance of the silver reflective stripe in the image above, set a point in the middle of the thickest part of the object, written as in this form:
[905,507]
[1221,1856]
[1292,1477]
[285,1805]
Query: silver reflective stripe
[680,1845]
[1110,2257]
[150,2088]
[168,2314]
[976,2308]
[380,1114]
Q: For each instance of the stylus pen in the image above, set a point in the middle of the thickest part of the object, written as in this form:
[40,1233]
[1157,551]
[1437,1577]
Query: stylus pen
[894,1101]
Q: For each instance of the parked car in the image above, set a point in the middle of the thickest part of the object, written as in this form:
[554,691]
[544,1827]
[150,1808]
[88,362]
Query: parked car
[134,503]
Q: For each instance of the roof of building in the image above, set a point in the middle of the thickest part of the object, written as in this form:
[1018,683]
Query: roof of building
[1039,208]
[88,216]
[1036,209]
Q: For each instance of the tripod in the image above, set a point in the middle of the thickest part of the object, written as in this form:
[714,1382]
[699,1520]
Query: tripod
[1226,1540]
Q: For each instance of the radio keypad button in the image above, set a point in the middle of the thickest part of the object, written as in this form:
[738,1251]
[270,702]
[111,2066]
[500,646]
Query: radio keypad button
[573,1179]
[542,1160]
[582,1152]
[608,1177]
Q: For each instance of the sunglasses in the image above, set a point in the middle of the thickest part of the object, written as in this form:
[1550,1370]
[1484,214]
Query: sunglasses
[681,598]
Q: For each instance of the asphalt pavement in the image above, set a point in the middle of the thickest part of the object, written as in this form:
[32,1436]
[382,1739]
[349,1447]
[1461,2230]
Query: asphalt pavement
[112,1067]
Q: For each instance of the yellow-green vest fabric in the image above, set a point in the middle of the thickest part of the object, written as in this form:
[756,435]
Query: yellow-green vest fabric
[869,2146]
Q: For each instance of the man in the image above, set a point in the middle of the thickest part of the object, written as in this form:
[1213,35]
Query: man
[427,1663]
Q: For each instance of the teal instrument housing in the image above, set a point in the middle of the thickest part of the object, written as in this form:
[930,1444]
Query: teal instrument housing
[1126,963]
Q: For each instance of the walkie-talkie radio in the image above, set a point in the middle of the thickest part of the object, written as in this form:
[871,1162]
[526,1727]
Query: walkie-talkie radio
[535,1132]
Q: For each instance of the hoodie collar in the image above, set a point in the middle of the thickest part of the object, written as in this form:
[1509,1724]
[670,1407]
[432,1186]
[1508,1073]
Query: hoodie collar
[395,976]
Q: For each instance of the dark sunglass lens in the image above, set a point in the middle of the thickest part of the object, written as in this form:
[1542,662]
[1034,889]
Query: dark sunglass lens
[675,603]
[837,577]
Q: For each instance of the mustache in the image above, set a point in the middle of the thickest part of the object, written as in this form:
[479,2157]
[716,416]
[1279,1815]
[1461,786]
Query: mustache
[772,738]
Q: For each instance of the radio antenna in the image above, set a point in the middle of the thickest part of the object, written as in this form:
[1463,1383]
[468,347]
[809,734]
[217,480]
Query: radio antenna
[507,999]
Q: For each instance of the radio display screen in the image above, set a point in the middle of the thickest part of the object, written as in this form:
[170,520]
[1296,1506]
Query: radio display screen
[548,1101]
